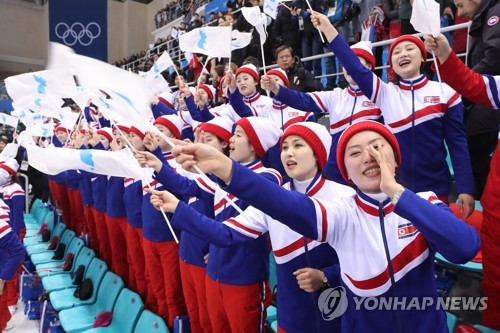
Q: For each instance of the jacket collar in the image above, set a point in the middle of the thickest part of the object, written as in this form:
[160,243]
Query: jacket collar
[252,98]
[371,206]
[354,91]
[418,83]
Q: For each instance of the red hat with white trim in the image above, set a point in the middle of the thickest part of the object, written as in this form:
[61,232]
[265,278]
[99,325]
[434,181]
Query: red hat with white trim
[262,133]
[123,126]
[138,130]
[106,132]
[281,74]
[167,98]
[221,127]
[365,125]
[250,70]
[10,165]
[173,122]
[62,128]
[316,135]
[209,89]
[408,38]
[364,50]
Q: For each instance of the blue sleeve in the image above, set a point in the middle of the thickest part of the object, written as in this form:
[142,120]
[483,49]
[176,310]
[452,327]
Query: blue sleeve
[297,100]
[332,273]
[10,243]
[86,112]
[360,74]
[236,101]
[18,203]
[456,139]
[103,122]
[56,142]
[291,208]
[197,114]
[99,146]
[175,183]
[157,152]
[457,241]
[215,232]
[160,109]
[312,118]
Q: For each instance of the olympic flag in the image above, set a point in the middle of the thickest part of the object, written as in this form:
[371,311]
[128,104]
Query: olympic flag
[81,25]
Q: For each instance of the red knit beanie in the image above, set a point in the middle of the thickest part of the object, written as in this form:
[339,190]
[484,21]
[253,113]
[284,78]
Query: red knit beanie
[408,38]
[366,125]
[281,74]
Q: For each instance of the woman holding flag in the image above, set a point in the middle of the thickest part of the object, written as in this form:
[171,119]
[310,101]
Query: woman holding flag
[385,235]
[418,112]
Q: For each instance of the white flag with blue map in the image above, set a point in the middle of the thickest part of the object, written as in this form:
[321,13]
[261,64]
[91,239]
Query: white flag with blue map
[52,160]
[212,41]
[160,65]
[8,120]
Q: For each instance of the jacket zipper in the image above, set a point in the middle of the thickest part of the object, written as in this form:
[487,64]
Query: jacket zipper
[381,215]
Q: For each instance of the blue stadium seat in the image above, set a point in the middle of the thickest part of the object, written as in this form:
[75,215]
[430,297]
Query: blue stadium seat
[56,266]
[470,266]
[125,314]
[33,244]
[451,320]
[46,256]
[62,280]
[486,329]
[82,317]
[32,229]
[64,299]
[150,323]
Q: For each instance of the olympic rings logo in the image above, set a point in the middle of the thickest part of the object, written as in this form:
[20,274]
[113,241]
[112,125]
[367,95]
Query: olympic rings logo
[78,33]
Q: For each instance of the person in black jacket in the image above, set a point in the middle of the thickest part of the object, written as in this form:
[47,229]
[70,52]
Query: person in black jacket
[309,36]
[484,51]
[286,29]
[300,78]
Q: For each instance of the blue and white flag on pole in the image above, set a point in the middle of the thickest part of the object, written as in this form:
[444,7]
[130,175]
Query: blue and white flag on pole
[271,8]
[425,17]
[160,65]
[212,41]
[52,160]
[8,120]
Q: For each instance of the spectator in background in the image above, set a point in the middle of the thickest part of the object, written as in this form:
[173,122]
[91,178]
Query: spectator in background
[203,21]
[221,22]
[212,19]
[3,143]
[230,19]
[300,78]
[391,10]
[286,28]
[195,22]
[309,36]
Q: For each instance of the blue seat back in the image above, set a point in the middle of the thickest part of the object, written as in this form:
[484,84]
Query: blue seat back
[150,323]
[126,312]
[84,258]
[58,230]
[109,290]
[95,272]
[66,237]
[75,246]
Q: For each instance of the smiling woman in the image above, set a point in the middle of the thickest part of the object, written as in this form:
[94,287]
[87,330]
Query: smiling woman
[421,113]
[385,236]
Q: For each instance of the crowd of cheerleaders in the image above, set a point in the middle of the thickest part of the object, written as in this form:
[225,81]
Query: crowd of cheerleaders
[268,162]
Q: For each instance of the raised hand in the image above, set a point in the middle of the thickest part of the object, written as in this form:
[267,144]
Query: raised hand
[324,25]
[207,158]
[388,183]
[163,199]
[439,45]
[268,83]
[94,137]
[230,81]
[147,159]
[150,141]
[184,88]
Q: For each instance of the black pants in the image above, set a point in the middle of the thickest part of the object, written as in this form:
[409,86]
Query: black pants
[481,146]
